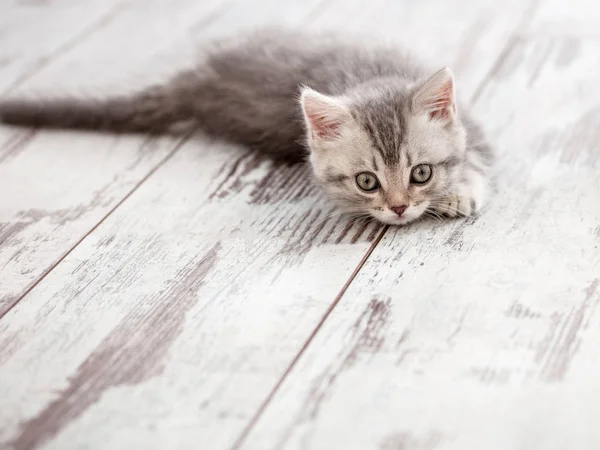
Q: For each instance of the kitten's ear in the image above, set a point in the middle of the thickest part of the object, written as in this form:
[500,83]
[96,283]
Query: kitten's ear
[324,115]
[436,97]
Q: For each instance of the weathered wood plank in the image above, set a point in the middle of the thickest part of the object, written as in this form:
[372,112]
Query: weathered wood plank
[482,334]
[84,176]
[34,32]
[75,189]
[170,324]
[240,262]
[134,46]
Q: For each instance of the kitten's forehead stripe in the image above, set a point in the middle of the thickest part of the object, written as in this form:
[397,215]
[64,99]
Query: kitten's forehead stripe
[374,140]
[383,119]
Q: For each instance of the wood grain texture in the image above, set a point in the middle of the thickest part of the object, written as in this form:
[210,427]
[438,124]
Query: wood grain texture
[169,325]
[78,178]
[33,33]
[75,188]
[143,42]
[219,281]
[482,334]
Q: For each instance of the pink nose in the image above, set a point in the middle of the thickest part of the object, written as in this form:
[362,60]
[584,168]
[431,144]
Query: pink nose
[399,209]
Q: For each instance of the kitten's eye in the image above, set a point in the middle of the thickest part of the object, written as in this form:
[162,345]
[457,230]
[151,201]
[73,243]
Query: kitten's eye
[367,181]
[421,174]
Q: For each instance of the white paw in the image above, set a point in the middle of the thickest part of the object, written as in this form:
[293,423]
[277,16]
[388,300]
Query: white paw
[458,205]
[467,200]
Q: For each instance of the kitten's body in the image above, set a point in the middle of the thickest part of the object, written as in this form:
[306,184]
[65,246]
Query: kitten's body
[357,115]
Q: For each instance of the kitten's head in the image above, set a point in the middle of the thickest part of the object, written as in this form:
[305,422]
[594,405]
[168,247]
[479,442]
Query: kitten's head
[387,149]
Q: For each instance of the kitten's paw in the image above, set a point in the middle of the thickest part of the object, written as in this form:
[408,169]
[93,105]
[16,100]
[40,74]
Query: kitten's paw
[458,205]
[467,199]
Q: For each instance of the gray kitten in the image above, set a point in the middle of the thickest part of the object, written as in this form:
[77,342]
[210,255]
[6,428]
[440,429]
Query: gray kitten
[383,136]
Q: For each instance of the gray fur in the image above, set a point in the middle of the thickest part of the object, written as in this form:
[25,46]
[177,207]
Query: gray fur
[246,90]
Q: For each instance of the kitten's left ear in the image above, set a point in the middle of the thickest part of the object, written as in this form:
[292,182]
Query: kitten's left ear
[436,97]
[324,115]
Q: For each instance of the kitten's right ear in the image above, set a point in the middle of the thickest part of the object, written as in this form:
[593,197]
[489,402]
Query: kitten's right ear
[324,115]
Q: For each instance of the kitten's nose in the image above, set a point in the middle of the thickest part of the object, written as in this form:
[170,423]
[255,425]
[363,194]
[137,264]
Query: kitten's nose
[399,209]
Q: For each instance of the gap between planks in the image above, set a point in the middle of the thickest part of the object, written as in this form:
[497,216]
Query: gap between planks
[21,140]
[248,428]
[44,274]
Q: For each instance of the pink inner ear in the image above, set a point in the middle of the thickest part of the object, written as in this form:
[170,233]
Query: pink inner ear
[442,104]
[323,126]
[325,116]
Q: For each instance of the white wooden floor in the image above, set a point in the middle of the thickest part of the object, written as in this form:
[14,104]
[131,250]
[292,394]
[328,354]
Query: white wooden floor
[160,294]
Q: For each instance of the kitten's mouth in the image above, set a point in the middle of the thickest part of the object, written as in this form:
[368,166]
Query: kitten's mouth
[393,219]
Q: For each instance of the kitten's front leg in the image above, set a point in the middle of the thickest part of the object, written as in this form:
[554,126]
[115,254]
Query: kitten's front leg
[468,198]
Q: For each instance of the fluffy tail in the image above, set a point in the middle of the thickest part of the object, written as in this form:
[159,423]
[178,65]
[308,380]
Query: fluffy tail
[155,110]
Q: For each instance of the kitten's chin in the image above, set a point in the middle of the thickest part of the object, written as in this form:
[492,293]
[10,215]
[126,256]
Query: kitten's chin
[409,216]
[396,220]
